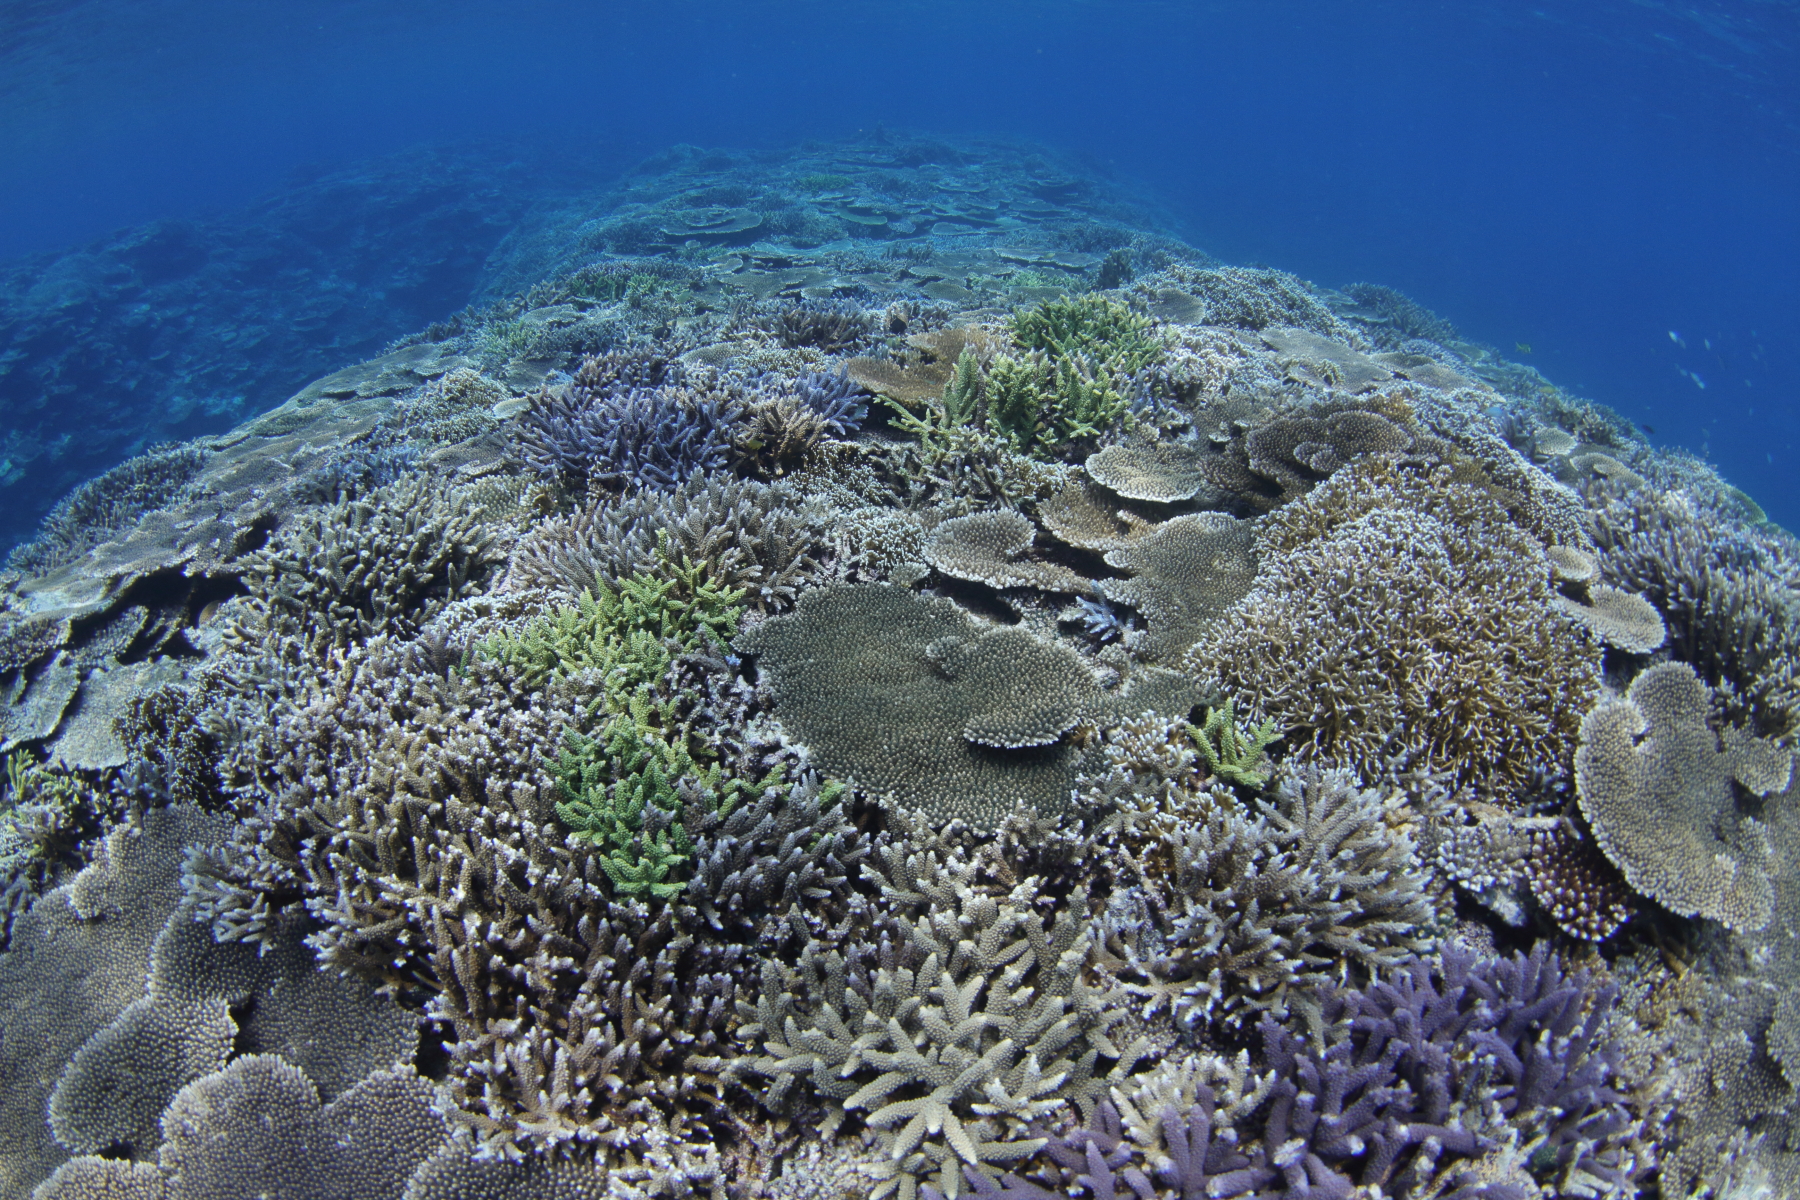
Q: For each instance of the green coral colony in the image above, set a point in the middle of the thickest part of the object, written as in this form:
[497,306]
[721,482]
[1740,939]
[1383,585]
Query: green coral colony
[918,684]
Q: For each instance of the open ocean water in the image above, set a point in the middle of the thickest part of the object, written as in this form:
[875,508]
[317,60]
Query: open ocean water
[815,599]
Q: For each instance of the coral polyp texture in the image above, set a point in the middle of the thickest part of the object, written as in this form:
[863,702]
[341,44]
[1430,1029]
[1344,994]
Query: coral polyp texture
[883,672]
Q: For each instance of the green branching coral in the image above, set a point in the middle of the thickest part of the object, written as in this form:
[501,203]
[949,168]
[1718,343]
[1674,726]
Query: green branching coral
[1040,403]
[628,637]
[1064,387]
[626,798]
[1233,754]
[35,797]
[625,788]
[1089,327]
[947,424]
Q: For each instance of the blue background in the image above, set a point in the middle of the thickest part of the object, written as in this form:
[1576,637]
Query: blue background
[1584,176]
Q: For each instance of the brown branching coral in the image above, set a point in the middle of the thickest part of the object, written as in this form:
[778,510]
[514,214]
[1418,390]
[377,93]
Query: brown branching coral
[978,1024]
[385,562]
[1656,786]
[1400,612]
[1249,906]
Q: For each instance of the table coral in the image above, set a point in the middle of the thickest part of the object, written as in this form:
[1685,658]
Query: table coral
[1656,785]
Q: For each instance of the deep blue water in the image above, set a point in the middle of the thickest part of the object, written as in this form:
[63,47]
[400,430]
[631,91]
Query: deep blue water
[1613,184]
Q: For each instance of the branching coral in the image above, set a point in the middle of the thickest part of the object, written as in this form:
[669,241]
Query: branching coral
[383,563]
[1239,908]
[1231,753]
[605,431]
[1089,325]
[1403,613]
[752,536]
[977,1024]
[1725,588]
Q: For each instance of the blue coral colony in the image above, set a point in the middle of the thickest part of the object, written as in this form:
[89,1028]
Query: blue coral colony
[884,674]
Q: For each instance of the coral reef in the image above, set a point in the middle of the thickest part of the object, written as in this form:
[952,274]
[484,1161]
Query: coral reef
[1242,908]
[978,1024]
[752,536]
[616,437]
[1184,573]
[630,739]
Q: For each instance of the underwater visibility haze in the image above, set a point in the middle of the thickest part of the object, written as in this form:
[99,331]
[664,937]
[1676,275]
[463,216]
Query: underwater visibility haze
[923,600]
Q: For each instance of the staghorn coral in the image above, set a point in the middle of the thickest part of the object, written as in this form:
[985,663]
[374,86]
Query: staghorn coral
[833,328]
[1726,589]
[1656,786]
[624,640]
[1241,908]
[607,432]
[1229,752]
[1045,403]
[1424,1072]
[1399,612]
[911,698]
[1093,326]
[760,538]
[991,548]
[1185,573]
[391,802]
[978,1023]
[383,563]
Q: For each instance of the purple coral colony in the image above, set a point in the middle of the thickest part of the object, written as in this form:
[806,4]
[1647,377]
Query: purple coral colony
[881,673]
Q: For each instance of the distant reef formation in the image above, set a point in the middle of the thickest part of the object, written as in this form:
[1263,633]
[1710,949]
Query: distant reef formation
[188,327]
[879,671]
